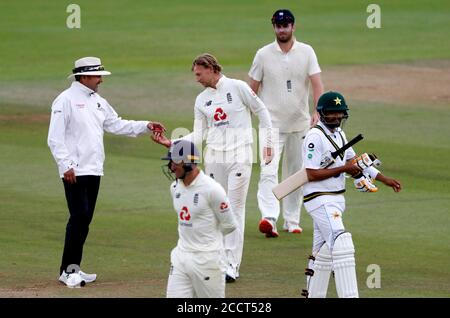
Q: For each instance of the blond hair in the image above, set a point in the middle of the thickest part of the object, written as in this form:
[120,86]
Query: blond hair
[207,60]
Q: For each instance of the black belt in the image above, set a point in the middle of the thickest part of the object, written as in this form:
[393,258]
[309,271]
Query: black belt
[314,195]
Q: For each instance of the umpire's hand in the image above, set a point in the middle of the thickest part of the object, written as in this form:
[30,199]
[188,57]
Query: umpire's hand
[69,176]
[155,127]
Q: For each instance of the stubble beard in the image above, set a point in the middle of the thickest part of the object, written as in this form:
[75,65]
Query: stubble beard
[285,38]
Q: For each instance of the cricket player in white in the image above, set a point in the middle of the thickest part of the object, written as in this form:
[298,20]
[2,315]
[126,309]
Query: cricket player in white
[223,117]
[281,74]
[204,215]
[333,248]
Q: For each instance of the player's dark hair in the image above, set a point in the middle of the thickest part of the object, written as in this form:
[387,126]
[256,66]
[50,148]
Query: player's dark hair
[207,60]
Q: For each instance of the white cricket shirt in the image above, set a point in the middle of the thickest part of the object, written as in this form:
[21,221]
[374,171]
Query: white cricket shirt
[223,116]
[285,83]
[314,146]
[204,214]
[75,137]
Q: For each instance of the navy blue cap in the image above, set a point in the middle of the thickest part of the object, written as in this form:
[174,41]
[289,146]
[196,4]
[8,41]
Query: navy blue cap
[283,16]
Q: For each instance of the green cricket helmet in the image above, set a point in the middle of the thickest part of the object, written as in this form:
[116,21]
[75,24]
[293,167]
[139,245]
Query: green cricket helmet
[332,102]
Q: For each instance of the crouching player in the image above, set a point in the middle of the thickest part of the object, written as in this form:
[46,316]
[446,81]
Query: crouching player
[198,262]
[324,200]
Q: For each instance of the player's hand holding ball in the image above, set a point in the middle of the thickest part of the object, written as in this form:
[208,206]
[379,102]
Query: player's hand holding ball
[161,139]
[156,128]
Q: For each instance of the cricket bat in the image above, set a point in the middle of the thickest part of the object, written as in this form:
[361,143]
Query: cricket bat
[299,178]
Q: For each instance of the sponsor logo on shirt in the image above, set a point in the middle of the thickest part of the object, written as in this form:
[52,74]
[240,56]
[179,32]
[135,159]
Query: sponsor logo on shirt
[223,207]
[99,107]
[80,105]
[219,117]
[184,214]
[208,103]
[220,114]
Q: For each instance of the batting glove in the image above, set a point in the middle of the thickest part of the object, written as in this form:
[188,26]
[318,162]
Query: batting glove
[365,161]
[365,184]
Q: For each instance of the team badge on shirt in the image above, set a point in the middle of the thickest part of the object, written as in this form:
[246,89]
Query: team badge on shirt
[229,98]
[196,199]
[336,215]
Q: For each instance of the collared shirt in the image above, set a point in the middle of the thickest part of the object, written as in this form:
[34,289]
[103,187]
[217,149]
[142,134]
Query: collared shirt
[223,116]
[75,137]
[285,83]
[315,145]
[204,214]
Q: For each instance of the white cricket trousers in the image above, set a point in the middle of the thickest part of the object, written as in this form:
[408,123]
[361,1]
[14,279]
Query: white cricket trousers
[327,221]
[196,274]
[233,171]
[268,204]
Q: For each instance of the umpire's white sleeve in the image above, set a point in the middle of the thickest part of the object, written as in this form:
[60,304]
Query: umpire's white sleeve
[118,126]
[56,135]
[221,206]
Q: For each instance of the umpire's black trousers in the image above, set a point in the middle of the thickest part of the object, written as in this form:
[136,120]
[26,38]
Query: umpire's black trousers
[81,198]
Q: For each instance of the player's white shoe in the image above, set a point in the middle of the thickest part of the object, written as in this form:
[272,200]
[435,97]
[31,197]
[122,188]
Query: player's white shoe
[292,228]
[88,278]
[268,226]
[72,280]
[231,274]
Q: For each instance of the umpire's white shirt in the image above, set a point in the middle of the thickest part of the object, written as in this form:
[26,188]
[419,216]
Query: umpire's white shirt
[285,82]
[79,117]
[223,115]
[315,145]
[204,214]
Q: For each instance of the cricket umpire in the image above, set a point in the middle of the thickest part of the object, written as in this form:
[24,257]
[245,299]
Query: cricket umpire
[79,117]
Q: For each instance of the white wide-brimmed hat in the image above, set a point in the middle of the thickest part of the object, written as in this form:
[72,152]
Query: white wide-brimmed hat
[89,66]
